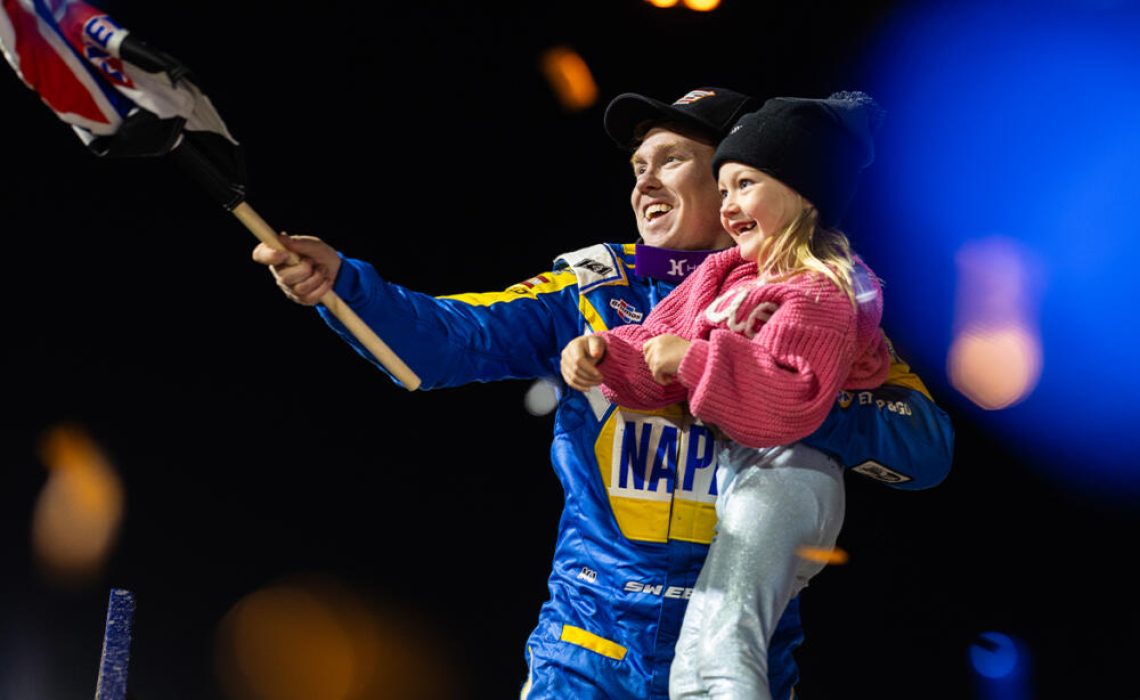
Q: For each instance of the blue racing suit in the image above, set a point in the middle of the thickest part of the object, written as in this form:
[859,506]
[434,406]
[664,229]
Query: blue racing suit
[639,486]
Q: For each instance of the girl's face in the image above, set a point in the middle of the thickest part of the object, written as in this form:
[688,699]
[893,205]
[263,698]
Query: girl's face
[754,206]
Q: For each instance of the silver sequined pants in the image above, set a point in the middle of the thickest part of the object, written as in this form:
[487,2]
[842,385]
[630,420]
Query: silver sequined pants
[772,502]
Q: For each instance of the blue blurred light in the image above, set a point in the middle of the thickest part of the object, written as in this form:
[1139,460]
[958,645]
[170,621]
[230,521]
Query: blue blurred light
[994,655]
[1019,121]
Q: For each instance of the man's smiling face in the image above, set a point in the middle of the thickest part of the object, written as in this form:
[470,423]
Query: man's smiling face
[675,198]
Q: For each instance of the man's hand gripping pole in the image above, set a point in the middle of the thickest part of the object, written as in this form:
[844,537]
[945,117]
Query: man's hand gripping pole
[334,303]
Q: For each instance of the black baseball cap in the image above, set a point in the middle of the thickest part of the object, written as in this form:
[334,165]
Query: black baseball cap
[709,111]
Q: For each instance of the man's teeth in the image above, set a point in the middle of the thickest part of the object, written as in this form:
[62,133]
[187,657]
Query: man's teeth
[656,210]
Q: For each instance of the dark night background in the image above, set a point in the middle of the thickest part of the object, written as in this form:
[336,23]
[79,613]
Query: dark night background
[255,447]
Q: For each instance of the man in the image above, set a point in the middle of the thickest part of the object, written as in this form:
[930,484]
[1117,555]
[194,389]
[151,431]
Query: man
[639,486]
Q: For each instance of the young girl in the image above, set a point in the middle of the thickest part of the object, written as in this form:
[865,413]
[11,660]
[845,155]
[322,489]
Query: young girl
[758,341]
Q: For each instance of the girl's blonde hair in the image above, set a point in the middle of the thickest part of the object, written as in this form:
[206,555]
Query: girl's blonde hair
[805,246]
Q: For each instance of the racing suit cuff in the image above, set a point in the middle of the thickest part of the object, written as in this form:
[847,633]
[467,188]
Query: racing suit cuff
[350,284]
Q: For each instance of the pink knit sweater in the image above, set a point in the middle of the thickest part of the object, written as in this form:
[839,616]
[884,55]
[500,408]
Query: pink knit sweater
[766,360]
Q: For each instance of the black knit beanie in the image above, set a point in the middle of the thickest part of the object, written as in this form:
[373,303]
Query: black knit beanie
[816,147]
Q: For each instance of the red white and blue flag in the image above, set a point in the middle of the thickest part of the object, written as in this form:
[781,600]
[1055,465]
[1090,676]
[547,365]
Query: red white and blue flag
[72,54]
[125,98]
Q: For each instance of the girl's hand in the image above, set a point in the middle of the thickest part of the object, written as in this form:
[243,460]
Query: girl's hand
[663,355]
[580,358]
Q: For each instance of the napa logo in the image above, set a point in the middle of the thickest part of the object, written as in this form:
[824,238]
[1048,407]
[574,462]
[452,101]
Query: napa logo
[659,470]
[653,461]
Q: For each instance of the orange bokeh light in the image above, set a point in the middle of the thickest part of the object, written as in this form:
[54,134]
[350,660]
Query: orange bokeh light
[996,357]
[702,5]
[995,367]
[663,3]
[79,510]
[823,555]
[570,78]
[287,644]
[314,639]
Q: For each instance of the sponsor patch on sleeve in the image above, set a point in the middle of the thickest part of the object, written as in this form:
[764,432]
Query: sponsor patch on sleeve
[594,266]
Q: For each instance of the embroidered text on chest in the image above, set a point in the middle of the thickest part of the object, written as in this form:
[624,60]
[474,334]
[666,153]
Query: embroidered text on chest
[726,309]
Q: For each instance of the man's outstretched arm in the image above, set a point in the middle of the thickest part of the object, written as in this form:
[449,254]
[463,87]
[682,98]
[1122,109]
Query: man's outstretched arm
[449,340]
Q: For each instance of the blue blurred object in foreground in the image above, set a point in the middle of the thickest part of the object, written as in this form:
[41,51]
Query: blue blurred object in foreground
[116,657]
[1000,664]
[1018,121]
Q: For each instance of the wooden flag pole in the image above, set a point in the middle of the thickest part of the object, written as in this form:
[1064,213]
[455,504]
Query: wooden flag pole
[333,303]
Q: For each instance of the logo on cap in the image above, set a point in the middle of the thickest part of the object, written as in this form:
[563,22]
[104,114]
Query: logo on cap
[694,95]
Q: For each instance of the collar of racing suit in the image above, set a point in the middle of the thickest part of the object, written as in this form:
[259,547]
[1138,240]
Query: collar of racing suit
[665,264]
